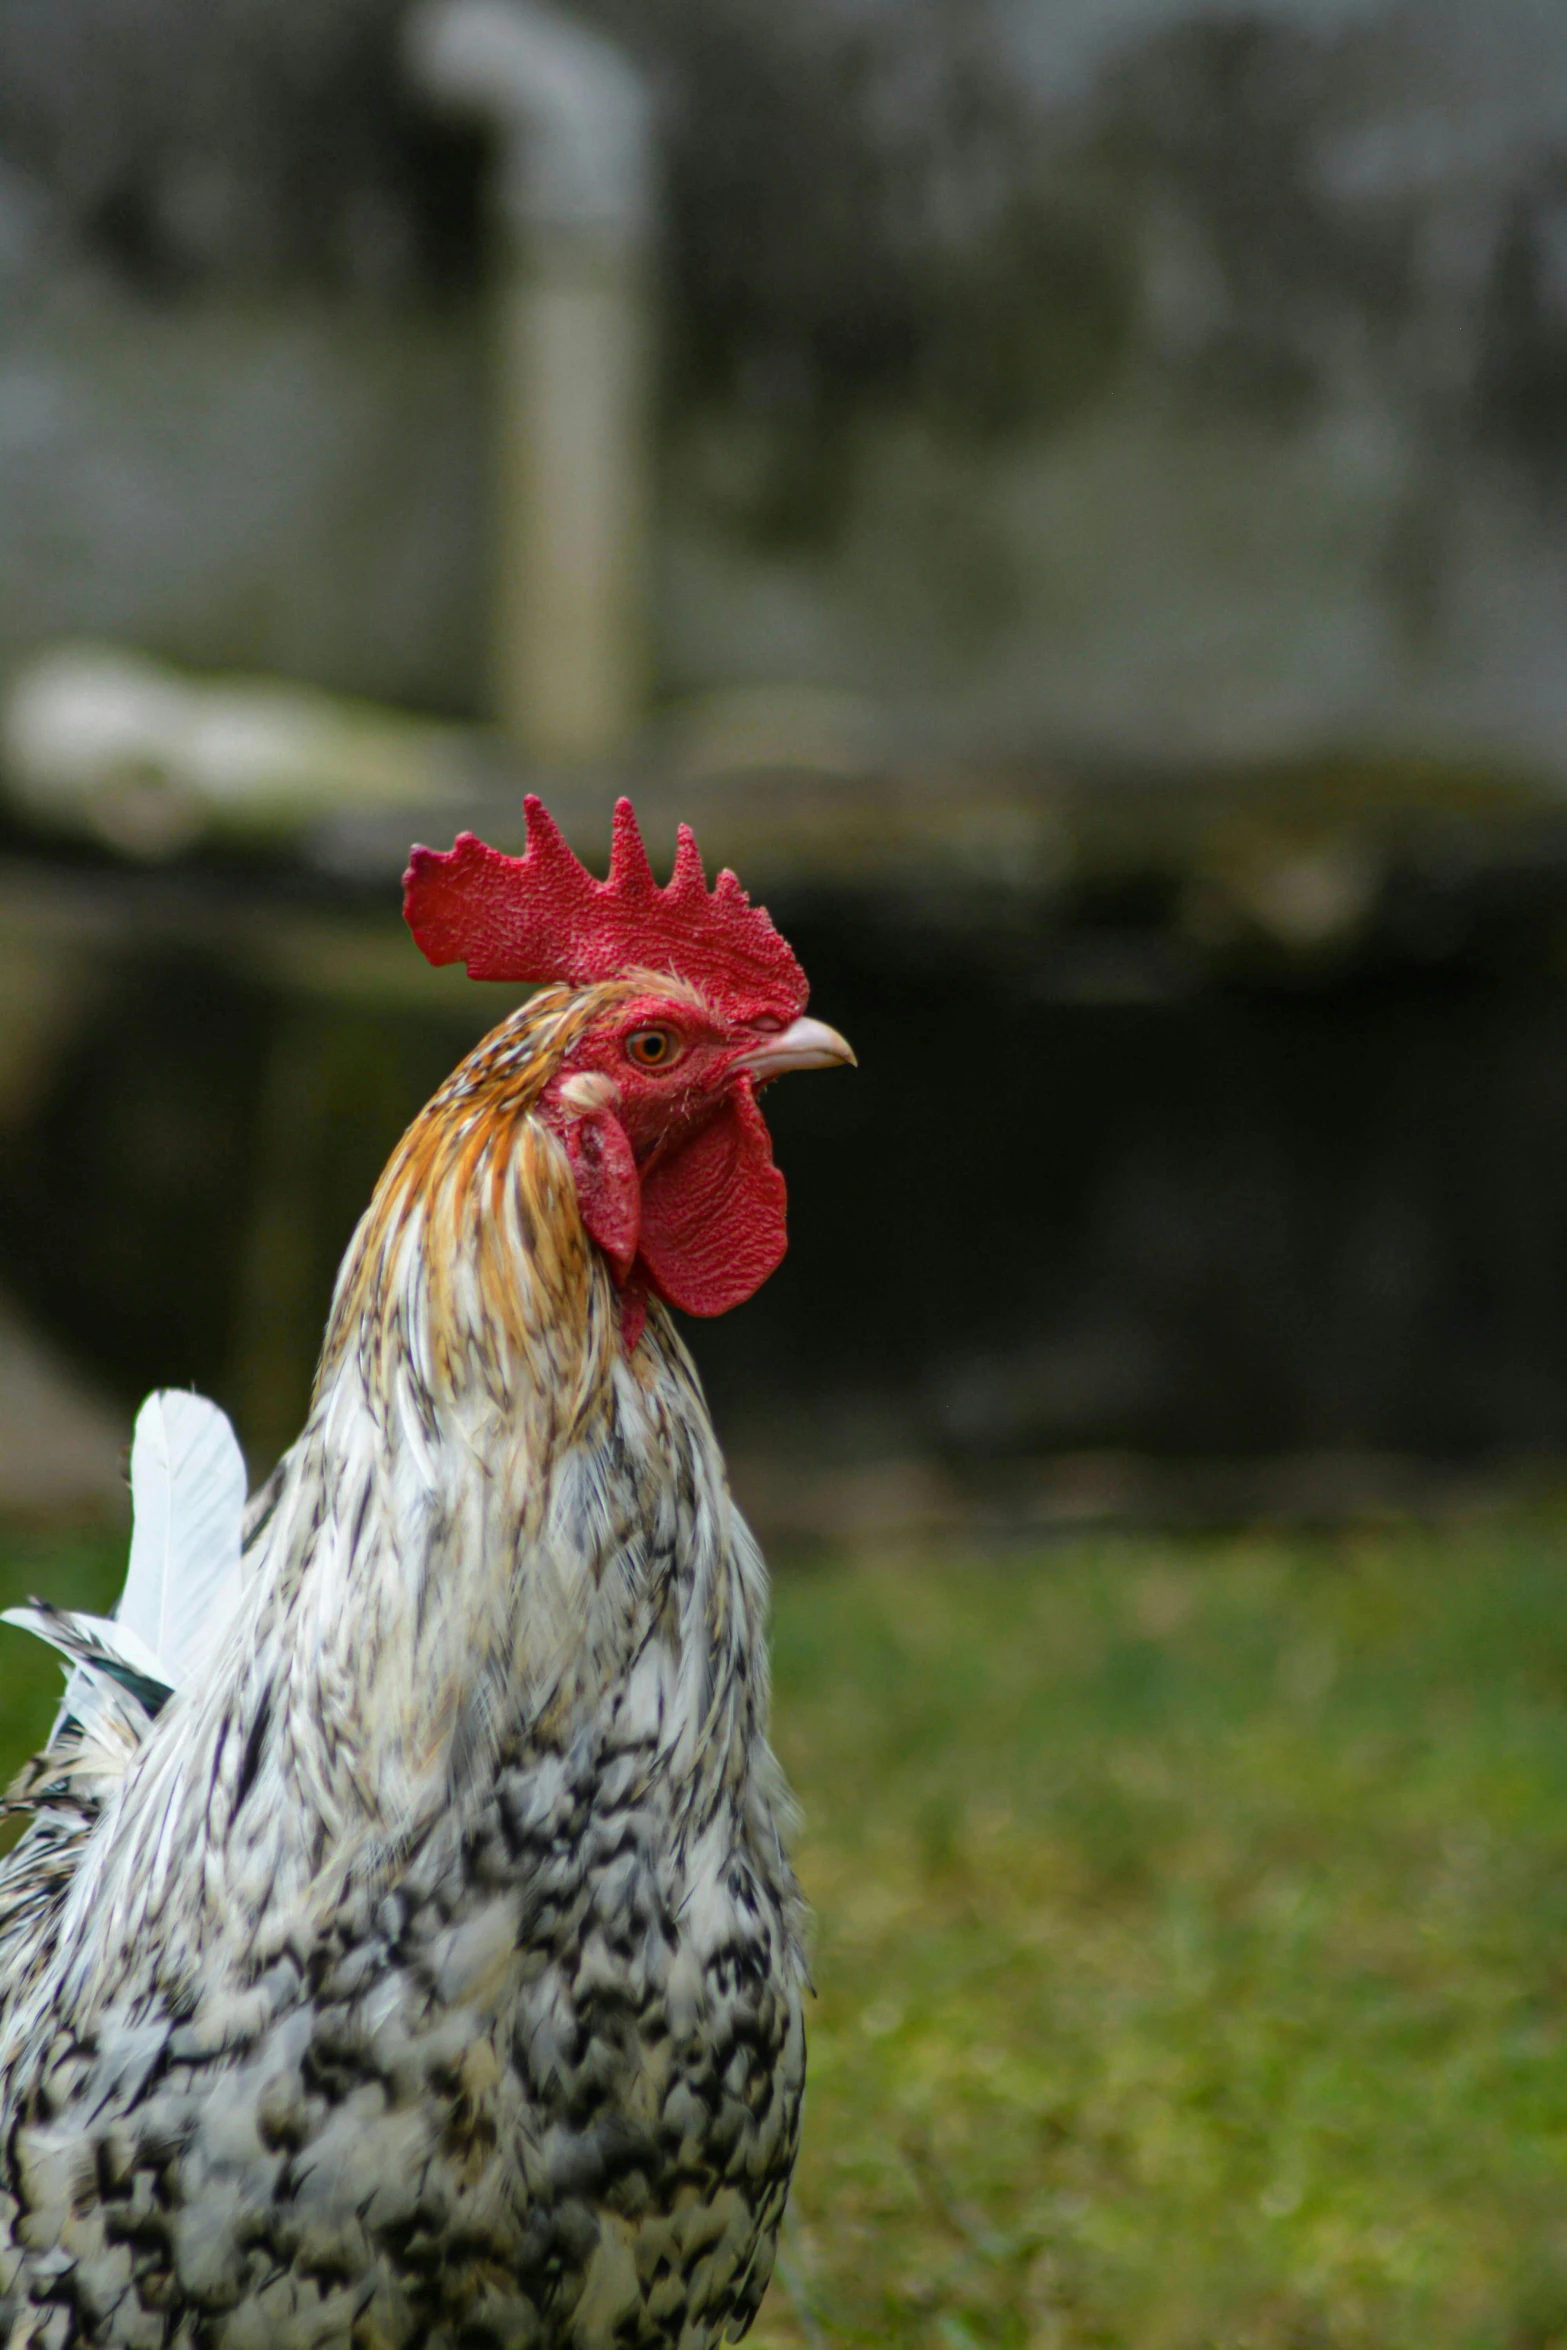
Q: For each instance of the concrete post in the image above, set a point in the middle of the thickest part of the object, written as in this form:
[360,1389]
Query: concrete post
[572,364]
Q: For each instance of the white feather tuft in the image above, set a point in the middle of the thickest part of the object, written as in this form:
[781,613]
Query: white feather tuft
[93,1647]
[79,1636]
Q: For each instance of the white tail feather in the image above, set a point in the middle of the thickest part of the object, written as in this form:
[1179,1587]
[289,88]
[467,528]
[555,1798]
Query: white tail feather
[188,1498]
[182,1584]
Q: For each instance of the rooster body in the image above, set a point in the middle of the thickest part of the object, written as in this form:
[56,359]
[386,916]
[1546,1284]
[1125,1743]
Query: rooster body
[429,1969]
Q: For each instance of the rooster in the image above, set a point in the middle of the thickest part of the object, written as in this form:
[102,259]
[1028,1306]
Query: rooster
[403,1947]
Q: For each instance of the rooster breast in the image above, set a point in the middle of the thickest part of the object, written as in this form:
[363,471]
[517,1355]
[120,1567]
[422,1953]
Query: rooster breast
[513,2054]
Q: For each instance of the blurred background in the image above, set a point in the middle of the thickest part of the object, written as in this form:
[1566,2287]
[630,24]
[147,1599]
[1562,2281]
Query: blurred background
[1069,497]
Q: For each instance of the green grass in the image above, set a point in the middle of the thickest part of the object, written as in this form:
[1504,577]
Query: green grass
[1191,1941]
[1191,1944]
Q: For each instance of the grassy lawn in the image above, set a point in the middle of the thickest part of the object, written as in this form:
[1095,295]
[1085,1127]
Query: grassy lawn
[1192,1946]
[1191,1940]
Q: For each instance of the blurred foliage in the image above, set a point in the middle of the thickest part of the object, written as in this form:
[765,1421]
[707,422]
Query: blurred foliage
[1151,375]
[868,211]
[1222,125]
[863,218]
[1190,1933]
[188,143]
[1523,376]
[912,245]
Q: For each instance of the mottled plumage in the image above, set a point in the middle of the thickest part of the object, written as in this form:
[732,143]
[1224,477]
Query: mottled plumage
[429,1970]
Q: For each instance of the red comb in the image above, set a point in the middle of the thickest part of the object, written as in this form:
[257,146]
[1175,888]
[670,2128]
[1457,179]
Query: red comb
[543,916]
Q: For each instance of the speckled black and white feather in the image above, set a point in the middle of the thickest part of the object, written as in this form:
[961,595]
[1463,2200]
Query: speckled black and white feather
[429,1971]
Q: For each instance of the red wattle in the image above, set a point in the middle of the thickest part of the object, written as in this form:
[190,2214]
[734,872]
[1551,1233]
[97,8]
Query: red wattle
[713,1213]
[609,1193]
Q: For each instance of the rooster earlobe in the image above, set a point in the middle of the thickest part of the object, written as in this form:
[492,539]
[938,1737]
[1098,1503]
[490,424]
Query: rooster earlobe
[609,1191]
[713,1213]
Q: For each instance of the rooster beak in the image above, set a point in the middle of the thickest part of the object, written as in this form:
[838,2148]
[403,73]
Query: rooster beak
[804,1044]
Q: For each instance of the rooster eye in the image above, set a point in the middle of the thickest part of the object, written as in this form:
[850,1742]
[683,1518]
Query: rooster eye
[652,1048]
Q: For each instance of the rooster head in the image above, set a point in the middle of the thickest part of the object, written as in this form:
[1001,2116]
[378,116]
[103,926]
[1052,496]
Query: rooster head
[693,1002]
